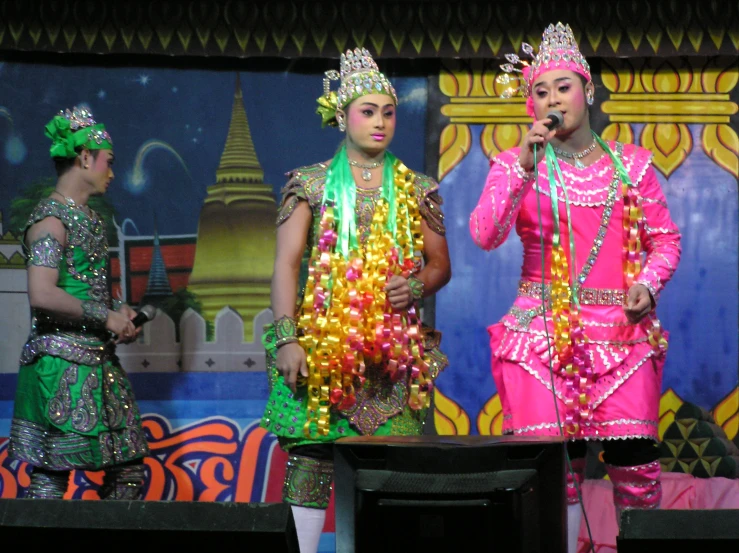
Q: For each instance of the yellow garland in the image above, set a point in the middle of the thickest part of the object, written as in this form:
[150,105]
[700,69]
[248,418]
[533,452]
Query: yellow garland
[561,300]
[565,317]
[632,243]
[632,216]
[346,319]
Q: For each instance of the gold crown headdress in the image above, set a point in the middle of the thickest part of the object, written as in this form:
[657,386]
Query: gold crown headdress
[558,50]
[359,76]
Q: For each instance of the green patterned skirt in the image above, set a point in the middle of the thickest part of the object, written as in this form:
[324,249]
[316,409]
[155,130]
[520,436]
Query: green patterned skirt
[73,416]
[381,408]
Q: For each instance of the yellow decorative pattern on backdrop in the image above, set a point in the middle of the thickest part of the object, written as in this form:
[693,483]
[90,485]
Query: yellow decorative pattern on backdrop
[669,403]
[454,144]
[669,142]
[720,141]
[664,95]
[474,99]
[722,145]
[667,95]
[726,414]
[449,418]
[490,418]
[621,132]
[13,260]
[497,138]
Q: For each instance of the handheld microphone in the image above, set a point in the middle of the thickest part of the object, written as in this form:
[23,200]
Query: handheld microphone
[556,118]
[145,314]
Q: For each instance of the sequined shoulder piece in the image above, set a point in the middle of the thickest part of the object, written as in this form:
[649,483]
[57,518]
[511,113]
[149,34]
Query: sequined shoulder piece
[305,183]
[429,202]
[50,208]
[636,160]
[77,226]
[87,232]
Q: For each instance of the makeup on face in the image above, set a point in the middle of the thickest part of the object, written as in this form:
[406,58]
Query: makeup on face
[371,121]
[104,170]
[560,89]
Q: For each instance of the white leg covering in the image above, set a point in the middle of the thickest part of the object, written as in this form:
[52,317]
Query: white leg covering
[309,525]
[574,518]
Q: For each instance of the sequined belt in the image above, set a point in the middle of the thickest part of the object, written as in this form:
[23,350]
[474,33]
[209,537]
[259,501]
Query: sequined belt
[68,347]
[587,296]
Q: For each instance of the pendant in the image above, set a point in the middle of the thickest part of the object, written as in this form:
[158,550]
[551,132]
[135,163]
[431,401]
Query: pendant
[366,175]
[579,164]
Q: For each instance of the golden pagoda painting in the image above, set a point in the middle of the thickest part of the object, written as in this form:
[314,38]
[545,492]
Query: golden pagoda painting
[236,231]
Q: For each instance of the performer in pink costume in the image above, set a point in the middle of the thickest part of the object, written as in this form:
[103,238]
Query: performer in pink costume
[610,247]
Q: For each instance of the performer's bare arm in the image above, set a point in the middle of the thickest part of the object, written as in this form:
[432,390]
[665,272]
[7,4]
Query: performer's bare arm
[292,236]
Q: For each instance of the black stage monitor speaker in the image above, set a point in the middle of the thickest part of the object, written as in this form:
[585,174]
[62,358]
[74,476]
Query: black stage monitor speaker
[450,494]
[55,524]
[679,530]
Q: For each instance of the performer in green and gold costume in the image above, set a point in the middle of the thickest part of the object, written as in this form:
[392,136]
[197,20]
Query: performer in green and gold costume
[360,242]
[74,406]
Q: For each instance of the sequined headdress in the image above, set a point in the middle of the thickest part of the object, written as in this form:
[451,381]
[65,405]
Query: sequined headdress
[558,50]
[359,76]
[72,130]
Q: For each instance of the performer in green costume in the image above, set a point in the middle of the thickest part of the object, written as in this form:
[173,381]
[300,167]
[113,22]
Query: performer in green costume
[360,242]
[74,406]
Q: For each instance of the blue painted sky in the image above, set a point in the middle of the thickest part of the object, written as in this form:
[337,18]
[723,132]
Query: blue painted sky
[187,113]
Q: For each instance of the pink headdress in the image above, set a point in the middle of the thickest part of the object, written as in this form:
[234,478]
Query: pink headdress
[558,50]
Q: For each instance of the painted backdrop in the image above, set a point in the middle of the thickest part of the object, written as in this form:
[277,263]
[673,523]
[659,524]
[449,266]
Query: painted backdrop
[200,159]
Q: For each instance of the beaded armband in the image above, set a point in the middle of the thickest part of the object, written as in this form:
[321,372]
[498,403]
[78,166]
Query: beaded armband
[94,313]
[522,173]
[286,331]
[416,286]
[46,252]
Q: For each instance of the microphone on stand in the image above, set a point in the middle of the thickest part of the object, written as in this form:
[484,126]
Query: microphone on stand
[556,118]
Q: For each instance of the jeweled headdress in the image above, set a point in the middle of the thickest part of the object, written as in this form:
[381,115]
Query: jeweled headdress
[75,129]
[558,50]
[359,76]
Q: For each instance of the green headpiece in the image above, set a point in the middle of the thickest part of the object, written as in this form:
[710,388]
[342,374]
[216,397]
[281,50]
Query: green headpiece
[71,131]
[359,76]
